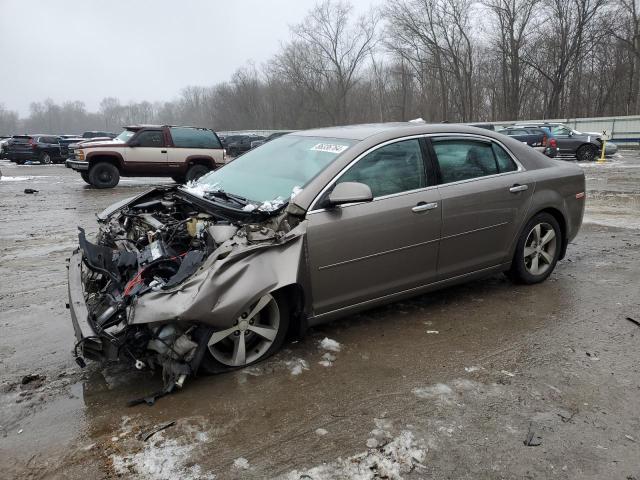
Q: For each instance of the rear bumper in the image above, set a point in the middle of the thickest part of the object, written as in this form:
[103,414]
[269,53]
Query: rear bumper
[22,156]
[91,345]
[77,165]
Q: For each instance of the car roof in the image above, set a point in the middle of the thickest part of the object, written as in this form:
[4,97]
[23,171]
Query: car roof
[141,126]
[391,130]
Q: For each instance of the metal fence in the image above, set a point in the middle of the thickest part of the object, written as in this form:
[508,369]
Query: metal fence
[624,130]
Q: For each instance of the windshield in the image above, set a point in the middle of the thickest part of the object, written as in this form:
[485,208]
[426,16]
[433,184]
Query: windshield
[125,135]
[268,176]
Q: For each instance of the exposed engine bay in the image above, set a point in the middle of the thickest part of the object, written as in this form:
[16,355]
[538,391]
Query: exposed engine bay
[149,250]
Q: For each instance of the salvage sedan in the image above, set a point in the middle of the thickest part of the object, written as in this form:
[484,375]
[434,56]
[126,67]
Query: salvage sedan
[309,227]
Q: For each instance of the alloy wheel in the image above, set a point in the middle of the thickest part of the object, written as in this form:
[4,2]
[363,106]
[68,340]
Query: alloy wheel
[46,159]
[251,336]
[540,249]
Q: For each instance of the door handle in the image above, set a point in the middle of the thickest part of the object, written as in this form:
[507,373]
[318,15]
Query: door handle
[163,151]
[423,207]
[518,188]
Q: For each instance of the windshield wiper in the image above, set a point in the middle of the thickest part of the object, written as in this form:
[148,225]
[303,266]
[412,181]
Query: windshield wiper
[227,196]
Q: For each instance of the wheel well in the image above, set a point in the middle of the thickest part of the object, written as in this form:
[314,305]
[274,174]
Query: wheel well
[201,161]
[557,214]
[106,159]
[294,294]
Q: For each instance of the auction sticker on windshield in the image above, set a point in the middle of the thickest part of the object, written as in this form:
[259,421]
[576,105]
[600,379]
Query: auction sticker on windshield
[329,147]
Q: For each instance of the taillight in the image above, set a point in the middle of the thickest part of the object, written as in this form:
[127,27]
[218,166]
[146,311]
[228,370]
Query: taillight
[32,142]
[544,140]
[553,143]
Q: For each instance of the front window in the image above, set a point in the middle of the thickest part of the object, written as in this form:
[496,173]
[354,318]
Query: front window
[125,135]
[271,174]
[390,169]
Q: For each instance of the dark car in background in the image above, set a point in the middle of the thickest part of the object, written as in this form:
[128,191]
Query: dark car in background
[585,147]
[34,148]
[65,142]
[539,138]
[273,136]
[241,145]
[98,133]
[4,140]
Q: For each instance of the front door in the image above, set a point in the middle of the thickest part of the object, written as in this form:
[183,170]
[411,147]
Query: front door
[360,252]
[485,198]
[149,155]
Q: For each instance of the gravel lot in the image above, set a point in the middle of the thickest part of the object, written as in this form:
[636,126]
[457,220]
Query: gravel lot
[447,385]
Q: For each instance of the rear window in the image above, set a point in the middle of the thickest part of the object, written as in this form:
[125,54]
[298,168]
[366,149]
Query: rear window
[194,138]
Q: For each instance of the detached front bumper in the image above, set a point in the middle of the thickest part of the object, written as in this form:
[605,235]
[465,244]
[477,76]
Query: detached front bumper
[77,165]
[90,344]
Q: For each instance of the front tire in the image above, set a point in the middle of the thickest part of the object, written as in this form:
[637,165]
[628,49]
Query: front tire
[586,153]
[104,175]
[195,172]
[85,177]
[45,158]
[537,251]
[256,335]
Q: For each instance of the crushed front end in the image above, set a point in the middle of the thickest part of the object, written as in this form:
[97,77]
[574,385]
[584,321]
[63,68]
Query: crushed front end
[145,292]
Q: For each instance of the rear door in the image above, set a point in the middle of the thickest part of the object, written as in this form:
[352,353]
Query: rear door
[363,251]
[149,155]
[192,143]
[485,196]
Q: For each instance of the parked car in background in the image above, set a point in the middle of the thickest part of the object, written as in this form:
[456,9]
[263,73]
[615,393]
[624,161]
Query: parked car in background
[239,146]
[97,133]
[226,140]
[257,143]
[486,126]
[311,227]
[65,141]
[4,140]
[539,138]
[572,143]
[34,148]
[182,153]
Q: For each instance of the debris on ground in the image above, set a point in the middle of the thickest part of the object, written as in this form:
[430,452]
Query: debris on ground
[532,439]
[434,332]
[472,369]
[634,321]
[32,381]
[321,431]
[329,344]
[162,426]
[30,190]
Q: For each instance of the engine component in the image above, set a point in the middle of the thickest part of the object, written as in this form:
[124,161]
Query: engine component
[155,251]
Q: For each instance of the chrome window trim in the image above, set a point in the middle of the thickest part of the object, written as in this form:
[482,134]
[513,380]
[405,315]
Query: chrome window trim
[520,167]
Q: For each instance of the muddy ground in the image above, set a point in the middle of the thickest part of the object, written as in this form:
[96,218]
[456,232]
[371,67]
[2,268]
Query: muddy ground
[447,385]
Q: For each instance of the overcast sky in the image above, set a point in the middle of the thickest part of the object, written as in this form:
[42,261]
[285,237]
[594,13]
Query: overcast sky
[134,49]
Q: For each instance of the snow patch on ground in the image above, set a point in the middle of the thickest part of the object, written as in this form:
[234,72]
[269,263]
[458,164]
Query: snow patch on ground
[321,431]
[241,463]
[297,366]
[387,457]
[160,458]
[630,222]
[327,360]
[330,345]
[472,369]
[437,391]
[16,179]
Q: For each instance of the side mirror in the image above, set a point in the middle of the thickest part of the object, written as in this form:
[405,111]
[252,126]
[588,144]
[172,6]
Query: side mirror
[571,133]
[350,192]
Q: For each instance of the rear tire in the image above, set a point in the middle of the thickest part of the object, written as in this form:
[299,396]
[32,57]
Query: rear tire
[195,172]
[104,175]
[537,251]
[273,318]
[85,177]
[586,153]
